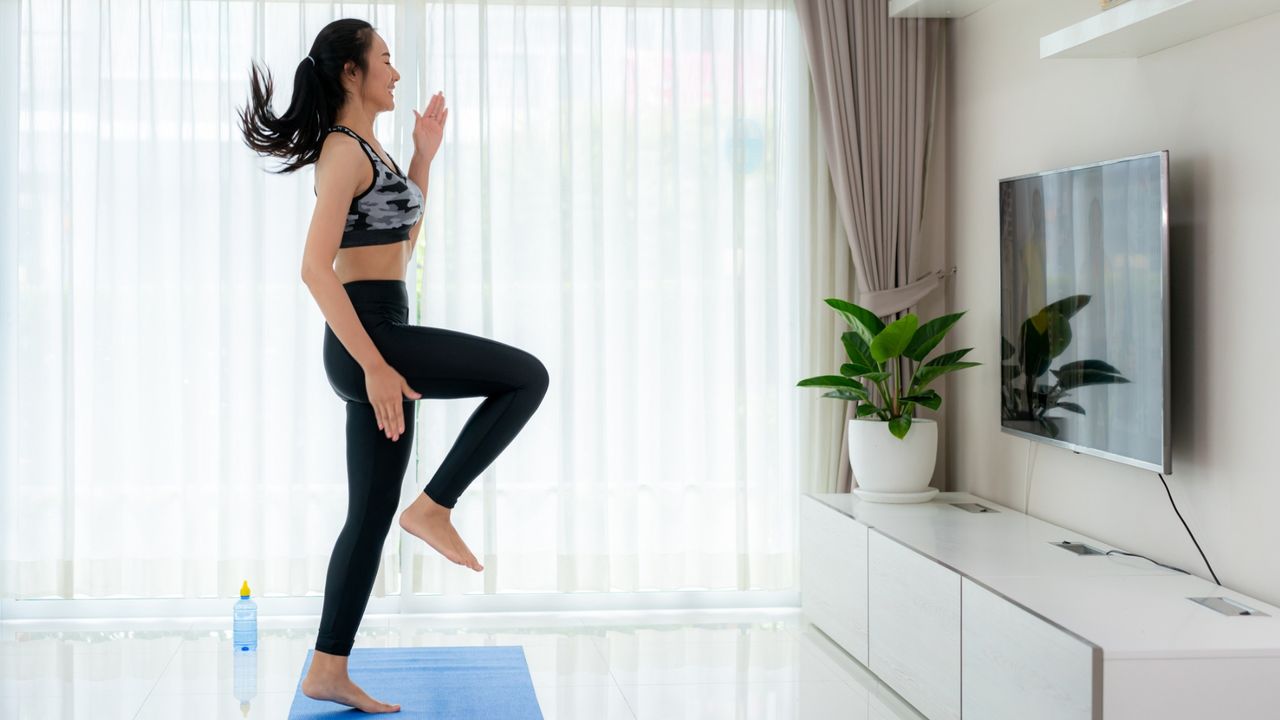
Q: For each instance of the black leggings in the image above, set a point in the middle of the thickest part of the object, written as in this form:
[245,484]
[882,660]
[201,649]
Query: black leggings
[437,363]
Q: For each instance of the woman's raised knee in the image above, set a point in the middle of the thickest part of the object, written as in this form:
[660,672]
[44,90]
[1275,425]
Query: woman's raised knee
[535,374]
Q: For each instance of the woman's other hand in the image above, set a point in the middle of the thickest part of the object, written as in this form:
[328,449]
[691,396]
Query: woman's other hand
[428,127]
[387,390]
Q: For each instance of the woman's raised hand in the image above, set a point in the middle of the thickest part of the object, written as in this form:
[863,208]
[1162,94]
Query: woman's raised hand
[428,127]
[387,390]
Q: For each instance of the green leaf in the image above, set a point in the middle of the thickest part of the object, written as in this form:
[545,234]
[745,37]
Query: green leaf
[833,381]
[1054,330]
[928,335]
[1059,334]
[1079,378]
[1046,335]
[1033,353]
[929,398]
[863,321]
[949,358]
[877,377]
[944,359]
[859,350]
[865,409]
[929,373]
[900,425]
[846,395]
[1088,365]
[854,370]
[829,381]
[893,339]
[1007,350]
[1067,306]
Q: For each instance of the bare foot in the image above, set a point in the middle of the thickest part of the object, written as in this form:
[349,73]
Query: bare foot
[342,690]
[428,520]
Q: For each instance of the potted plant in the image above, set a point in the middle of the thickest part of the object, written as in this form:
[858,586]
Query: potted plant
[892,454]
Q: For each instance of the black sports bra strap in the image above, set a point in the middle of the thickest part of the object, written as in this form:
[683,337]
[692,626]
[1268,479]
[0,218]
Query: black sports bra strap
[368,148]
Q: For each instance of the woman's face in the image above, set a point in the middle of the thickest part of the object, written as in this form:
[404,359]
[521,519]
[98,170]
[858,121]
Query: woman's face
[379,83]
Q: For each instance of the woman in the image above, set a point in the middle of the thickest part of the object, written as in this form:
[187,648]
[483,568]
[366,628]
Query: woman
[362,235]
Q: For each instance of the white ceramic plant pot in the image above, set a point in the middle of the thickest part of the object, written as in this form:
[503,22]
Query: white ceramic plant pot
[891,470]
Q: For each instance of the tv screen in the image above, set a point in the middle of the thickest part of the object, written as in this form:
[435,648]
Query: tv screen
[1084,308]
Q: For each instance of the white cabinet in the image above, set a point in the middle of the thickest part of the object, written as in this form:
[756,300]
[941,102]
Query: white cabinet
[984,615]
[914,611]
[833,575]
[1164,656]
[1019,666]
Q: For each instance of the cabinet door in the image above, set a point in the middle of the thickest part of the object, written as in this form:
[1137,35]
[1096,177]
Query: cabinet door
[914,627]
[1018,666]
[833,575]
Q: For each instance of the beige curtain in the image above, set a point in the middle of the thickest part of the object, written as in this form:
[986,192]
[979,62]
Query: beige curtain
[830,274]
[879,84]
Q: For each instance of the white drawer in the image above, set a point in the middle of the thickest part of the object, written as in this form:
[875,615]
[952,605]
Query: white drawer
[914,621]
[1018,666]
[977,617]
[833,575]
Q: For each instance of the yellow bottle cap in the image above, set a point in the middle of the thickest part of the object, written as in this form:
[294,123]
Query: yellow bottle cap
[244,589]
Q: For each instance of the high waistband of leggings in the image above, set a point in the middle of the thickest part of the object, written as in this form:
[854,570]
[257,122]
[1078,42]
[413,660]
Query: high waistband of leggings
[377,292]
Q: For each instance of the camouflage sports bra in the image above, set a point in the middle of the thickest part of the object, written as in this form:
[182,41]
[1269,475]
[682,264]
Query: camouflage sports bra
[386,211]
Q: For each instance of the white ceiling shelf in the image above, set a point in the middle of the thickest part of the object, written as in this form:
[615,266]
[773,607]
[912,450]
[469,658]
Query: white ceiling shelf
[1141,27]
[935,8]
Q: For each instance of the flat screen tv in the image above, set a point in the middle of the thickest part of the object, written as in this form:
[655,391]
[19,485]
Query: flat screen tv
[1084,308]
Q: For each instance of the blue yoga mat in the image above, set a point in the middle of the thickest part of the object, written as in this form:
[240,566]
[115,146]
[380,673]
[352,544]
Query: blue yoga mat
[489,682]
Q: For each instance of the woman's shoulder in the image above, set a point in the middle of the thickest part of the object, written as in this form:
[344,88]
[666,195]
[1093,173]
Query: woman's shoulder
[339,137]
[341,155]
[342,149]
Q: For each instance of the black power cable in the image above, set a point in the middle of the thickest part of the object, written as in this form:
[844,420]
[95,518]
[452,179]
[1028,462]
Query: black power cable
[1144,557]
[1184,524]
[1027,501]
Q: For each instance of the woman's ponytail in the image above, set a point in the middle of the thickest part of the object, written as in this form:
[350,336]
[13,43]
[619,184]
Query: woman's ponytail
[318,94]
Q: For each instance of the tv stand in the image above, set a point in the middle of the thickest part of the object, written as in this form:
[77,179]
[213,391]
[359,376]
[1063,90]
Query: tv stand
[969,609]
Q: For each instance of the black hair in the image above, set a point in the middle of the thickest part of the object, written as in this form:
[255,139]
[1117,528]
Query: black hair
[298,134]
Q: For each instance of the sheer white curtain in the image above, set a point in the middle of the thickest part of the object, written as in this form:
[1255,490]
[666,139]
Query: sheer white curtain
[625,190]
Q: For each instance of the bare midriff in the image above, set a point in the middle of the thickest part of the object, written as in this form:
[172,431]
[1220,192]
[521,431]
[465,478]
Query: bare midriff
[372,262]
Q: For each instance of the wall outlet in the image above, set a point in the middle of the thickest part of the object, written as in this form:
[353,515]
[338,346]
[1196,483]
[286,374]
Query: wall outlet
[975,508]
[1077,547]
[1227,606]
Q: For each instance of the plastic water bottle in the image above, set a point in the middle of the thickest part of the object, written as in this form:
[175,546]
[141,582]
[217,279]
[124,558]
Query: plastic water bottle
[245,621]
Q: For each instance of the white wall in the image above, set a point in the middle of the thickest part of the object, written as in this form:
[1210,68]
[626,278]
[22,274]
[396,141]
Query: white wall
[1214,103]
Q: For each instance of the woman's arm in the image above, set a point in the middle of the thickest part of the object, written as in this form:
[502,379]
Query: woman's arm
[428,133]
[338,179]
[420,174]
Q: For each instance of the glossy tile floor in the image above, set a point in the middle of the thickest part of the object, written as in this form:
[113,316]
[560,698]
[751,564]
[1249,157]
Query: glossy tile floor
[668,665]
